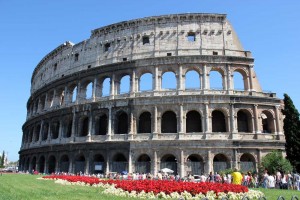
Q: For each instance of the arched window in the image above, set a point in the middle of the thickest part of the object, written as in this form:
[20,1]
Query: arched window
[79,164]
[37,133]
[41,164]
[169,122]
[267,122]
[84,127]
[145,123]
[193,122]
[51,164]
[45,131]
[192,80]
[61,97]
[244,121]
[218,121]
[99,164]
[146,82]
[33,164]
[125,84]
[101,125]
[64,164]
[169,161]
[143,164]
[55,129]
[119,163]
[247,163]
[106,87]
[195,164]
[122,123]
[221,163]
[169,81]
[238,81]
[215,80]
[89,91]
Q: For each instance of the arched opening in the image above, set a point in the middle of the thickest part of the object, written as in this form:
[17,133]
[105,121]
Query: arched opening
[215,80]
[169,161]
[68,128]
[169,122]
[169,81]
[119,163]
[50,99]
[45,131]
[244,121]
[195,164]
[106,87]
[84,127]
[220,163]
[193,122]
[55,129]
[192,80]
[125,84]
[27,164]
[89,91]
[37,133]
[218,121]
[145,83]
[238,80]
[122,123]
[61,94]
[42,161]
[145,123]
[74,94]
[33,164]
[79,164]
[101,125]
[64,163]
[31,134]
[51,164]
[99,164]
[143,164]
[247,163]
[267,122]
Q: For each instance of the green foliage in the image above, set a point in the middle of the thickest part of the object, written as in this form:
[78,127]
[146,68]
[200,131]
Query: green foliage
[2,160]
[274,162]
[292,132]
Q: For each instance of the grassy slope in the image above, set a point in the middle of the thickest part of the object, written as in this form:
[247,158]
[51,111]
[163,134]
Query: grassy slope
[27,187]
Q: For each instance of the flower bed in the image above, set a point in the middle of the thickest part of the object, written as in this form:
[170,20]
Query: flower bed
[161,188]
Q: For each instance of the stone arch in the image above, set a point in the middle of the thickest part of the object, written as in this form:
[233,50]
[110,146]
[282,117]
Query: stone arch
[105,86]
[220,162]
[119,163]
[218,121]
[61,95]
[31,132]
[45,131]
[27,163]
[50,98]
[192,80]
[73,94]
[122,123]
[41,164]
[168,81]
[169,161]
[86,89]
[124,86]
[98,164]
[101,124]
[146,82]
[267,121]
[216,78]
[143,164]
[195,164]
[244,121]
[83,126]
[144,123]
[33,164]
[240,79]
[42,102]
[55,125]
[51,164]
[67,127]
[247,162]
[64,163]
[169,122]
[79,164]
[193,122]
[37,133]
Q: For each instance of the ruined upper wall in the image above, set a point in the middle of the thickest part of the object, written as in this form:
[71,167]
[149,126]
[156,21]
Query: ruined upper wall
[167,35]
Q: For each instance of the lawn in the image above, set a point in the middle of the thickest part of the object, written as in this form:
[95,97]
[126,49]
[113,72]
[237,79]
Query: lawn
[28,187]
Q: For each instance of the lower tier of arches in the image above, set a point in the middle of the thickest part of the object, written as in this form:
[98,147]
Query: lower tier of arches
[184,157]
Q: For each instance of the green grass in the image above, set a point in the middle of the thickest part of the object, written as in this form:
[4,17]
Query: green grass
[28,187]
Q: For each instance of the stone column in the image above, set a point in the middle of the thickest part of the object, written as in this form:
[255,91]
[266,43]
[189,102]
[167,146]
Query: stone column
[112,86]
[107,168]
[277,117]
[71,163]
[130,162]
[60,131]
[205,78]
[133,88]
[73,134]
[41,131]
[90,125]
[155,163]
[155,82]
[67,96]
[233,127]
[251,77]
[94,95]
[207,122]
[154,119]
[46,106]
[235,160]
[256,119]
[180,83]
[209,166]
[182,174]
[181,120]
[109,128]
[78,93]
[87,163]
[49,133]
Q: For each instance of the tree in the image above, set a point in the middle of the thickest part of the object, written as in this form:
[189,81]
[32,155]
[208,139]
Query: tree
[274,162]
[291,129]
[2,159]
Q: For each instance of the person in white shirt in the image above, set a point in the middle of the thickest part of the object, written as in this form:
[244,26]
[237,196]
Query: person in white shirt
[271,181]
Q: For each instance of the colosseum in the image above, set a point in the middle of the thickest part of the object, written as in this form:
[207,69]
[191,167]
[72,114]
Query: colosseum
[139,96]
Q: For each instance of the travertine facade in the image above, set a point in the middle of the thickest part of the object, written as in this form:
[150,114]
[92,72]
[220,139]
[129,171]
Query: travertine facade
[74,124]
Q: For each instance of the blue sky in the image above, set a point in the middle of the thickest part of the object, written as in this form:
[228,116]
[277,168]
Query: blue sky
[31,29]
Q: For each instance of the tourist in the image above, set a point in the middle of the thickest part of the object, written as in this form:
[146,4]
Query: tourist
[270,182]
[284,182]
[237,177]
